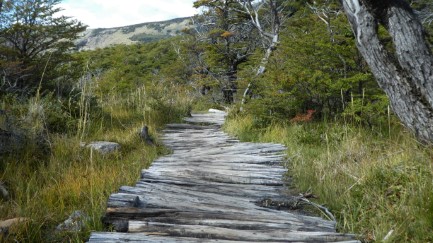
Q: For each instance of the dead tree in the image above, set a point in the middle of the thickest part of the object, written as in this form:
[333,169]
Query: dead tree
[404,73]
[269,36]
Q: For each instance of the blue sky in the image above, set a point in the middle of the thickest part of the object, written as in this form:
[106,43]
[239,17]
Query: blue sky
[114,13]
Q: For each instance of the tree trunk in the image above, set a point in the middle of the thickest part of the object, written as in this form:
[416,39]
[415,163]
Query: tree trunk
[271,47]
[231,87]
[262,67]
[406,76]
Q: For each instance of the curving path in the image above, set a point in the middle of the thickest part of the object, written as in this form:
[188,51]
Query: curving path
[212,188]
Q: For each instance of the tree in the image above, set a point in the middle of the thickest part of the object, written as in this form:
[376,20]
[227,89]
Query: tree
[230,38]
[275,14]
[35,44]
[318,67]
[404,71]
[423,8]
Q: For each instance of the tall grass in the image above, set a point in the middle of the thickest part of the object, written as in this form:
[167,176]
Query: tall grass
[47,189]
[378,184]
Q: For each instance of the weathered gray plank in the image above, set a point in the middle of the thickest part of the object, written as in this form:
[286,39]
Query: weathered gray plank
[213,188]
[212,232]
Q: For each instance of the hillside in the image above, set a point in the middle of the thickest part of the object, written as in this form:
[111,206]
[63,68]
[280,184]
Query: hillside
[145,32]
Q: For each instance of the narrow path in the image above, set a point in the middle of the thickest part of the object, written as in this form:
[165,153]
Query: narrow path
[212,188]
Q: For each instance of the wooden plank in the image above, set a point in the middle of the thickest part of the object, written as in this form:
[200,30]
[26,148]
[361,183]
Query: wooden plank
[142,237]
[211,232]
[171,215]
[107,237]
[213,188]
[125,200]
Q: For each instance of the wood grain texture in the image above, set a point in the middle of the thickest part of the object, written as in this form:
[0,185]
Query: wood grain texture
[212,188]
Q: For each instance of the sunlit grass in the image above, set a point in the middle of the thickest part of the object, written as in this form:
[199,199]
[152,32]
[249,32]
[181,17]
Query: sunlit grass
[47,189]
[376,184]
[73,178]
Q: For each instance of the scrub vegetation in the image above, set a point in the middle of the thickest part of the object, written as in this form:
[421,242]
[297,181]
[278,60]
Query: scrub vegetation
[313,93]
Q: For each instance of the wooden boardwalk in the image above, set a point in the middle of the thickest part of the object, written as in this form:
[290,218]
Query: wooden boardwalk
[212,188]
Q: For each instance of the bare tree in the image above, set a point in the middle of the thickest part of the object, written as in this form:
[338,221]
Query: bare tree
[424,10]
[269,34]
[404,73]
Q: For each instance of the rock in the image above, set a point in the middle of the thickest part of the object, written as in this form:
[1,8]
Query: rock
[144,135]
[74,223]
[3,191]
[10,141]
[104,147]
[7,224]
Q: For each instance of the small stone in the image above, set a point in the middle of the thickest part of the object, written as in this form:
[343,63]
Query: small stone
[74,223]
[104,147]
[144,135]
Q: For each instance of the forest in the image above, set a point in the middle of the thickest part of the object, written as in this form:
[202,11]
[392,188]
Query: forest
[352,105]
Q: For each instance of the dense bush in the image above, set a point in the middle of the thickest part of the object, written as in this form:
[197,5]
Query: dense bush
[313,70]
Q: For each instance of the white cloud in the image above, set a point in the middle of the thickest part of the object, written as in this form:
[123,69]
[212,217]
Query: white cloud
[114,13]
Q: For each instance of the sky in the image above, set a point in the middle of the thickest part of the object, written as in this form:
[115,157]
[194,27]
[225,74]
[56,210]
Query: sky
[115,13]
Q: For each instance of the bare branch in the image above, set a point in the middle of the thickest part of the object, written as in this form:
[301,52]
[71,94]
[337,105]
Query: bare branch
[318,206]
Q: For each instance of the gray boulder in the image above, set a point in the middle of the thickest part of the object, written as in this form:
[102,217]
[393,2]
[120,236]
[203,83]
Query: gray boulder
[104,147]
[74,223]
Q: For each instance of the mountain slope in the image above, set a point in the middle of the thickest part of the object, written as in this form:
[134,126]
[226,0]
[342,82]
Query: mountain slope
[145,32]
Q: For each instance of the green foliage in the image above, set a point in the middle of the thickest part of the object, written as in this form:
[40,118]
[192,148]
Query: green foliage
[35,46]
[125,68]
[229,39]
[147,38]
[374,113]
[316,69]
[72,177]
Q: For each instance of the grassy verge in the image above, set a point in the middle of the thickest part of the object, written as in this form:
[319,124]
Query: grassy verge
[378,184]
[47,189]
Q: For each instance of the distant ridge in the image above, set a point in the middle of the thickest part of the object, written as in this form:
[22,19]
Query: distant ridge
[131,34]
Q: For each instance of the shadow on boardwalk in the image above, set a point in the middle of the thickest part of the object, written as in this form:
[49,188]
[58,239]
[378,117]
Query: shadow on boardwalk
[211,188]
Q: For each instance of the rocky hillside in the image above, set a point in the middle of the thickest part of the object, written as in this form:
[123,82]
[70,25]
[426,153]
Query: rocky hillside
[145,32]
